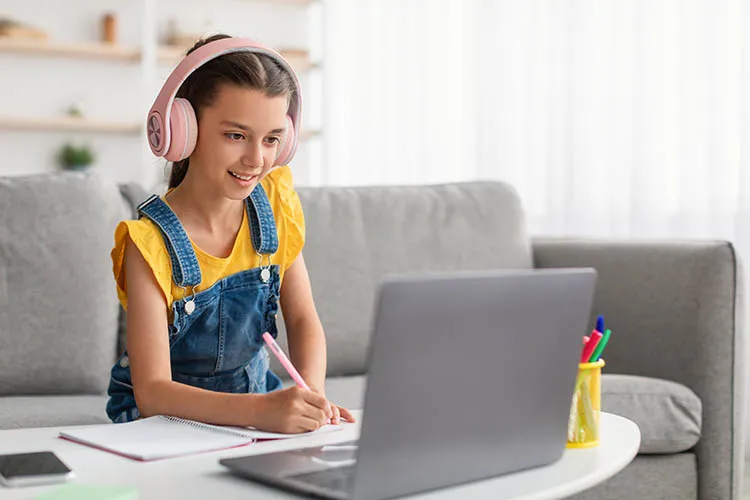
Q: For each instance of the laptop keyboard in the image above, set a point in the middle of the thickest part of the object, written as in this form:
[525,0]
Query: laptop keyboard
[336,479]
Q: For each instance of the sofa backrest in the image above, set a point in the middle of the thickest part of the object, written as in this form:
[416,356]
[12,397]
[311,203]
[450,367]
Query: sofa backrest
[58,306]
[355,236]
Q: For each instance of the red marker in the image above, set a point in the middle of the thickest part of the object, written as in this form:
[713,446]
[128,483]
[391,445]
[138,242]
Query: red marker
[589,347]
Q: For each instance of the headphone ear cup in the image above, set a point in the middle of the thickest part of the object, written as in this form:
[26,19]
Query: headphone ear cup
[287,143]
[183,128]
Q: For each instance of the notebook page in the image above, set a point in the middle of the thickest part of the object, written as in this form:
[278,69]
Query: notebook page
[155,437]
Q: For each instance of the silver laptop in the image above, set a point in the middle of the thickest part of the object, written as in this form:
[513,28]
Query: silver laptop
[470,376]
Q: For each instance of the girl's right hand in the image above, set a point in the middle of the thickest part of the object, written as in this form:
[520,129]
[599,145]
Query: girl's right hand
[293,410]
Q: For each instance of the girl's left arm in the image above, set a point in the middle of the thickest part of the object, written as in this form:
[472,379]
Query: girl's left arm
[307,343]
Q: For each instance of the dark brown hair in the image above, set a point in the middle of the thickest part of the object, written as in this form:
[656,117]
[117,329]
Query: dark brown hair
[244,69]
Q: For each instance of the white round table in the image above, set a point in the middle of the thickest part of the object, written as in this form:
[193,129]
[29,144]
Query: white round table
[201,475]
[577,470]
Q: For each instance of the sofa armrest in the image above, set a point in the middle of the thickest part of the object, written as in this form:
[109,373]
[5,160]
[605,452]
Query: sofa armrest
[675,313]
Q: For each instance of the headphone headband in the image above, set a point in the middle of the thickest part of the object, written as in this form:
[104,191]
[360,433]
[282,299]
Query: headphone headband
[158,121]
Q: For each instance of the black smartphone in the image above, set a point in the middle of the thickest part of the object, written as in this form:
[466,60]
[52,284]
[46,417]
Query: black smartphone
[30,469]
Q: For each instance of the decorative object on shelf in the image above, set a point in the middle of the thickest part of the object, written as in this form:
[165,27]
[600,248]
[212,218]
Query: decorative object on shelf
[176,39]
[73,157]
[10,28]
[109,28]
[74,111]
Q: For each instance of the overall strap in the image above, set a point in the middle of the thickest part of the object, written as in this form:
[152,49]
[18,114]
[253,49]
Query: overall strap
[262,224]
[186,271]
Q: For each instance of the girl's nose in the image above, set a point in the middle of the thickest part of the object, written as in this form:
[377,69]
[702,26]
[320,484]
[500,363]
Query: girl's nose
[253,156]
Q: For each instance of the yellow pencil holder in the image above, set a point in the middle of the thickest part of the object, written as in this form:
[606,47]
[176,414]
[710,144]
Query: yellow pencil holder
[583,423]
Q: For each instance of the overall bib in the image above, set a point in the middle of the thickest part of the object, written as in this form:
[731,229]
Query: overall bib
[215,338]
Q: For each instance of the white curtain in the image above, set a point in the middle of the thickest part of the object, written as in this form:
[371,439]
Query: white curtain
[612,118]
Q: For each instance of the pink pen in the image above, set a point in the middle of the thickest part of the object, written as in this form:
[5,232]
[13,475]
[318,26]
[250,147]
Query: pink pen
[288,366]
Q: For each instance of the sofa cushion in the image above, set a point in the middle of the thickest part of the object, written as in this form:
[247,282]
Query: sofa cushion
[650,477]
[355,236]
[667,413]
[348,392]
[58,304]
[51,411]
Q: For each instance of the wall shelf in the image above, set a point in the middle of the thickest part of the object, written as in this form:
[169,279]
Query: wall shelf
[68,124]
[287,2]
[78,50]
[299,59]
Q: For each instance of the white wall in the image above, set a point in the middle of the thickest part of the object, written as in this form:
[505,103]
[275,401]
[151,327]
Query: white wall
[45,86]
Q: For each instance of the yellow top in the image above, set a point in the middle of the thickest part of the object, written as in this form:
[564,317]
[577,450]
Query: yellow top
[290,224]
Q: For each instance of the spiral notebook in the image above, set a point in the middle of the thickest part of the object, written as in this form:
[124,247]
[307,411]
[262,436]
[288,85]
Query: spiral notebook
[159,437]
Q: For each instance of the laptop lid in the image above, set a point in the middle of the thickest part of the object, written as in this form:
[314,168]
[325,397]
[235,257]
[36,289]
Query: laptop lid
[470,376]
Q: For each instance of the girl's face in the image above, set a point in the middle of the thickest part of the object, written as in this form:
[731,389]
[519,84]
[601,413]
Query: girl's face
[239,137]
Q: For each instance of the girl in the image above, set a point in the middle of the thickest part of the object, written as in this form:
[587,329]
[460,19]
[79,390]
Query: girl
[200,273]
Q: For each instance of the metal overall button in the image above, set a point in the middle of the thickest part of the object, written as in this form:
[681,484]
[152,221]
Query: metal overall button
[189,302]
[265,272]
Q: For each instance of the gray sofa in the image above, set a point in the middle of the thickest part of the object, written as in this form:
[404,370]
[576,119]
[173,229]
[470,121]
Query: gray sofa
[674,364]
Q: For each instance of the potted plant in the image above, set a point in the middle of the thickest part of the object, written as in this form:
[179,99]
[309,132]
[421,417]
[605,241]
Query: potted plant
[73,157]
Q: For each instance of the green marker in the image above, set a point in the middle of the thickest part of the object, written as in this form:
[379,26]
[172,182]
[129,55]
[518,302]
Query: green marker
[600,347]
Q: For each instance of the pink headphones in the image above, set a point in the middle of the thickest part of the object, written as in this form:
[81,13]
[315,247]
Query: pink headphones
[176,140]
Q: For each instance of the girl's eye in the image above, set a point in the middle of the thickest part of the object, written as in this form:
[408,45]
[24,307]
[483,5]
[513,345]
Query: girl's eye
[234,136]
[274,140]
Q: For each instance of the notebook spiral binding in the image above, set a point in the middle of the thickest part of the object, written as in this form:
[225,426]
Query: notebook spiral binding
[207,427]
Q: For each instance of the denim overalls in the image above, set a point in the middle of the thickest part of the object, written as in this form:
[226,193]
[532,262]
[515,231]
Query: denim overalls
[215,337]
